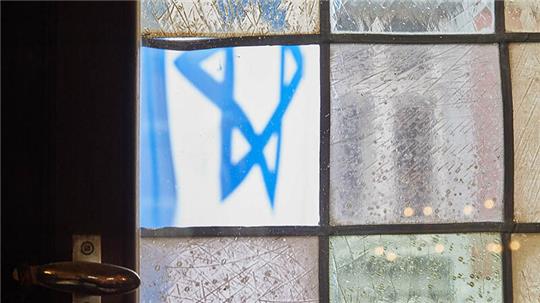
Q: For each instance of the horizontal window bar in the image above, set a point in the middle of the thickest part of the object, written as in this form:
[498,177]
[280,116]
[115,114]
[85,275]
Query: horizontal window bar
[203,43]
[193,44]
[269,231]
[434,39]
[417,228]
[526,228]
[257,231]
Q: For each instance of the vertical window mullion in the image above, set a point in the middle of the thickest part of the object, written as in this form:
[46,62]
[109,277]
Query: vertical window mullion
[324,158]
[504,65]
[509,170]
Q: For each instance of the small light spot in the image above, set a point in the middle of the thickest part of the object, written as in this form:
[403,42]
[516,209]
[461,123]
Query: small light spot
[428,211]
[494,247]
[515,245]
[467,210]
[489,203]
[379,250]
[439,248]
[407,212]
[391,256]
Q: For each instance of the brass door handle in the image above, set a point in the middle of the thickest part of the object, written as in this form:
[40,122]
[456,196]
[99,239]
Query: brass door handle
[84,278]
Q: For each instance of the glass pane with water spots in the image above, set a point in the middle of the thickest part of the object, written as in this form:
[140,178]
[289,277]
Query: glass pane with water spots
[431,268]
[416,134]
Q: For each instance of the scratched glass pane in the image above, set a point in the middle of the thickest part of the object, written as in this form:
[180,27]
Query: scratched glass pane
[229,270]
[416,268]
[525,70]
[525,275]
[416,134]
[412,16]
[522,15]
[226,18]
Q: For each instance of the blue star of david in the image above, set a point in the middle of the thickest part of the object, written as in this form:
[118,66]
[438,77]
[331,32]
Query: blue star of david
[221,94]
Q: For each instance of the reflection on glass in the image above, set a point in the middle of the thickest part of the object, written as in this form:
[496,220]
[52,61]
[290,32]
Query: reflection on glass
[228,138]
[227,18]
[229,270]
[412,16]
[525,275]
[416,134]
[525,70]
[522,15]
[416,268]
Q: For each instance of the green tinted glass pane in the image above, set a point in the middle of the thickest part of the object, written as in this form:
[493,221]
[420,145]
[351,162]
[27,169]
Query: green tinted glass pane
[416,268]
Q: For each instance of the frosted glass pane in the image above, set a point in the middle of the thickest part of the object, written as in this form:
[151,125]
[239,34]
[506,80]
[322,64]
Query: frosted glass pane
[227,18]
[525,72]
[228,139]
[412,16]
[416,134]
[522,15]
[416,268]
[525,261]
[229,270]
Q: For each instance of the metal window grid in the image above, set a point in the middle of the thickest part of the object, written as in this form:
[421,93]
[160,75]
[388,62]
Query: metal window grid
[324,230]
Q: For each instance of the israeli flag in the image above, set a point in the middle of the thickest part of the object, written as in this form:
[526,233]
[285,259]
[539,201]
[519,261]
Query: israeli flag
[230,136]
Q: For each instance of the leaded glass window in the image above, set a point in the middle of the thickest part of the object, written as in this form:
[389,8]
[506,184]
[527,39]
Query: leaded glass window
[339,151]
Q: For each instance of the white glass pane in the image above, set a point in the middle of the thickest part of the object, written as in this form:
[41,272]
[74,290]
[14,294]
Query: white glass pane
[416,134]
[229,270]
[228,18]
[413,16]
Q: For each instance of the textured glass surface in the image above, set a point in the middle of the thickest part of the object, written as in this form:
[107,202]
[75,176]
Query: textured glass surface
[416,134]
[525,261]
[522,15]
[525,73]
[225,18]
[450,268]
[229,270]
[412,16]
[230,139]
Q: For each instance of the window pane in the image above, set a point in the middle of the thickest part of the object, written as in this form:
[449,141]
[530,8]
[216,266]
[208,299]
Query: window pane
[525,274]
[226,18]
[229,270]
[228,138]
[525,71]
[522,15]
[412,16]
[416,134]
[416,268]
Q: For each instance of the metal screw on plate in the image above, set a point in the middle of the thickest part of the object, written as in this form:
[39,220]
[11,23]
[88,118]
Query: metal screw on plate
[87,248]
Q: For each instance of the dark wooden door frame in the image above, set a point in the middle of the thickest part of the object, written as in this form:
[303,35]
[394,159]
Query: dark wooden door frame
[69,133]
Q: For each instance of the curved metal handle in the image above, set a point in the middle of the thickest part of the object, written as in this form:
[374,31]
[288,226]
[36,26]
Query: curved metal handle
[86,278]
